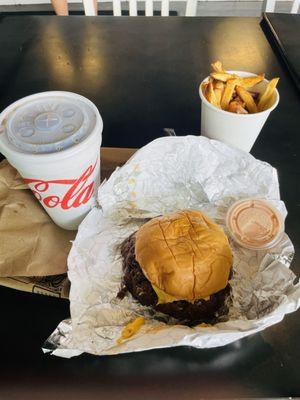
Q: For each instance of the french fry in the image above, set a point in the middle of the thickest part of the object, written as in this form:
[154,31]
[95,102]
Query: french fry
[237,94]
[247,98]
[268,104]
[250,81]
[211,96]
[266,96]
[218,84]
[219,88]
[222,76]
[204,88]
[217,66]
[227,94]
[255,95]
[236,107]
[239,100]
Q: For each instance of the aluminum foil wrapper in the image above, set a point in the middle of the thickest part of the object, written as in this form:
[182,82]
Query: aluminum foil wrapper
[168,174]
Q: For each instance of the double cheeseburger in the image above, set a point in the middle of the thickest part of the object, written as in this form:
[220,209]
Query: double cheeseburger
[178,264]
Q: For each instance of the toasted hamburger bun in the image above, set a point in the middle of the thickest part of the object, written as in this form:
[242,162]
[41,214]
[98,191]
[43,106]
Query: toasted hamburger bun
[184,255]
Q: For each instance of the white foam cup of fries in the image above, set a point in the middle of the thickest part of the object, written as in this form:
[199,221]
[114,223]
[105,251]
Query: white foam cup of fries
[238,130]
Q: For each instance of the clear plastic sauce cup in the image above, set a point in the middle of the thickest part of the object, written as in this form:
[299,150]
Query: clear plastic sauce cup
[255,224]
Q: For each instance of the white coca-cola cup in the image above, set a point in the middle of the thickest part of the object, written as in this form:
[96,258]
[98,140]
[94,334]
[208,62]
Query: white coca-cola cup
[53,139]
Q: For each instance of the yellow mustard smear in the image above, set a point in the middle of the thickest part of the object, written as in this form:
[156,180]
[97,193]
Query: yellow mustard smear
[131,329]
[203,325]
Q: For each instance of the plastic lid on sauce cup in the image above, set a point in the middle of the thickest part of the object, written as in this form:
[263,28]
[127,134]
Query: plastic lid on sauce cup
[255,224]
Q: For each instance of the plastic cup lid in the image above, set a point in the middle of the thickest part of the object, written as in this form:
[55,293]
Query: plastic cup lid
[255,223]
[49,124]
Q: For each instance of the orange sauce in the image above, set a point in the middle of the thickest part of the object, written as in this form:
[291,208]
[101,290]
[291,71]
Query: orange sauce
[255,224]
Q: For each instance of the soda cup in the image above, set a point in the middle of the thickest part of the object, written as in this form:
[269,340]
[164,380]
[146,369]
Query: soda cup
[53,139]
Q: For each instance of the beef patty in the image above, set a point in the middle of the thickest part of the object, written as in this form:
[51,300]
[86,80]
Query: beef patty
[141,289]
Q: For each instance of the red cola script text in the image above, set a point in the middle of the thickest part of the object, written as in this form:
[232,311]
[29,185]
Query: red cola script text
[79,193]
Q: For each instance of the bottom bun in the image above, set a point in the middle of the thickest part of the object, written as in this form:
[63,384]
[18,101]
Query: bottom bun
[135,282]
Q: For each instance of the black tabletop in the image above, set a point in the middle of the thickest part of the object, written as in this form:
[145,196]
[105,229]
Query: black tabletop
[284,32]
[143,74]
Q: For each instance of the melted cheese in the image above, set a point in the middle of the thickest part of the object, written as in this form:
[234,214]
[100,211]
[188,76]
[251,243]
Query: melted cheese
[164,297]
[131,329]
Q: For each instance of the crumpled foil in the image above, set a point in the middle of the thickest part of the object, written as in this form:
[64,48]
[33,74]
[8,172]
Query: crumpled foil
[168,174]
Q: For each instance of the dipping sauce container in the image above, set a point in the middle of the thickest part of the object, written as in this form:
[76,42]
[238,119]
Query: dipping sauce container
[255,224]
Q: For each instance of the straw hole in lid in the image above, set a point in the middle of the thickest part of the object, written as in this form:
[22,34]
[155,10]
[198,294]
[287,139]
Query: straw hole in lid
[26,132]
[68,128]
[68,113]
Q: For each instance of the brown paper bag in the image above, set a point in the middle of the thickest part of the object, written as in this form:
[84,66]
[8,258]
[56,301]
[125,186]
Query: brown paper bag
[31,245]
